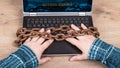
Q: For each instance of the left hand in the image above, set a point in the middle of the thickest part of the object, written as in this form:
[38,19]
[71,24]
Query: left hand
[38,45]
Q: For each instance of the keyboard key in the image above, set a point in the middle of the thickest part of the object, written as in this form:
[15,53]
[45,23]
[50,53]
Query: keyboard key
[55,21]
[45,22]
[38,25]
[43,26]
[49,21]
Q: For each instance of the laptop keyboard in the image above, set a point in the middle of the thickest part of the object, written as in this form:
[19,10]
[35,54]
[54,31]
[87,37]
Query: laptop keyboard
[55,21]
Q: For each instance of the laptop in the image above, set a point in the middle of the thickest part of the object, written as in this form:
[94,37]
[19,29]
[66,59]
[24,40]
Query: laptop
[54,13]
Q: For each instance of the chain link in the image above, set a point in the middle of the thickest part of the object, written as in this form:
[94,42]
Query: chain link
[58,34]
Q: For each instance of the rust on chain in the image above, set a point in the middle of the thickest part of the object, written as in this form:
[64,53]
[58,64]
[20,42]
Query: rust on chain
[60,37]
[58,34]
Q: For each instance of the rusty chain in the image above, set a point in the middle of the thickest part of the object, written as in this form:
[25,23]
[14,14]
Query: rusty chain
[58,34]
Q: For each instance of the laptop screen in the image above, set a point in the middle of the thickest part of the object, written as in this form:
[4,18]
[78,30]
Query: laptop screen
[57,5]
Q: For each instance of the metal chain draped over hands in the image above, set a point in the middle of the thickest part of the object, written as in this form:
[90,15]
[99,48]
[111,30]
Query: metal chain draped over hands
[58,34]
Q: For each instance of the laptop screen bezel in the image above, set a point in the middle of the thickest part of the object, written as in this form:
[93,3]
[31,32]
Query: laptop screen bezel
[52,12]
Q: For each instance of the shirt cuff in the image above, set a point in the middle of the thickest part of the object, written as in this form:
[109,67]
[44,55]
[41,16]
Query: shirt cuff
[26,56]
[99,50]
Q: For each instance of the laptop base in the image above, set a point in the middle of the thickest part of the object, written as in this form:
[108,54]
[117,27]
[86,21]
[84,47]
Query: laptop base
[57,47]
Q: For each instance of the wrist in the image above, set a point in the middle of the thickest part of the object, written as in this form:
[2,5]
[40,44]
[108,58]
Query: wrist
[27,56]
[99,50]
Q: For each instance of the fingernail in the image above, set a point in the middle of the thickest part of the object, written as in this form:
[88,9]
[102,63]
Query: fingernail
[48,31]
[42,30]
[72,25]
[82,24]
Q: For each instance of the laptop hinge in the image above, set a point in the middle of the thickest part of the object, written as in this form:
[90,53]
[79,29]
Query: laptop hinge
[88,13]
[33,14]
[85,13]
[58,14]
[81,13]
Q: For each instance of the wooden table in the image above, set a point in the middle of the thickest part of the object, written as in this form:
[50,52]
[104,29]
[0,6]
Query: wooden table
[106,16]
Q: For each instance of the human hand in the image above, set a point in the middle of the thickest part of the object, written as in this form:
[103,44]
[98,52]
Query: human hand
[38,45]
[82,42]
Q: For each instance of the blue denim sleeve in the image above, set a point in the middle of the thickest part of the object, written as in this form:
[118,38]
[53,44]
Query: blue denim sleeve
[22,58]
[105,53]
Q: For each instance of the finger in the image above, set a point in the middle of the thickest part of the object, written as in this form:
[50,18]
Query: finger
[44,60]
[78,58]
[75,27]
[42,30]
[73,41]
[80,37]
[40,40]
[83,26]
[29,39]
[46,44]
[48,31]
[35,39]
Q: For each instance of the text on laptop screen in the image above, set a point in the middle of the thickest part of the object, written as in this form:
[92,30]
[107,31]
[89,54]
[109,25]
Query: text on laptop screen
[57,5]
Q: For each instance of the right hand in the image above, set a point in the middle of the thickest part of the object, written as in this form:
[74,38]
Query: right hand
[82,42]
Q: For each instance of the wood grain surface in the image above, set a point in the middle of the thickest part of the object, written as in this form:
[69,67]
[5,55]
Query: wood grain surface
[106,17]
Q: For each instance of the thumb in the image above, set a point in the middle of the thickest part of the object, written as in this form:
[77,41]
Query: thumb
[78,58]
[44,60]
